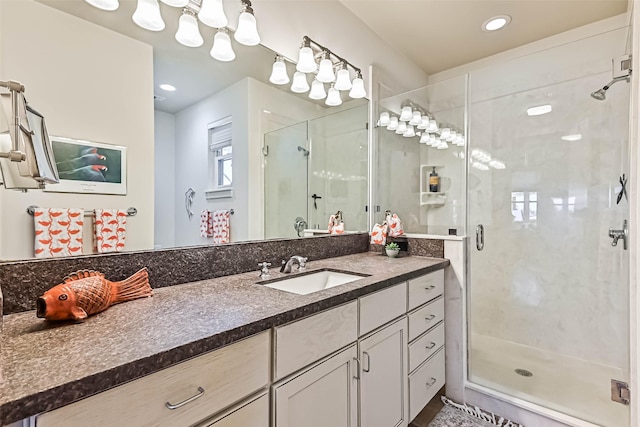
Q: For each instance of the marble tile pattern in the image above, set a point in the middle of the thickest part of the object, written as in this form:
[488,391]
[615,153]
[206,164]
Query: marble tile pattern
[23,282]
[178,322]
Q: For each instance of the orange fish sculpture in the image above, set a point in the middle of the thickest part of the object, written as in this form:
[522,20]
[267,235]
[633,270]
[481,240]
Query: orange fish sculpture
[87,292]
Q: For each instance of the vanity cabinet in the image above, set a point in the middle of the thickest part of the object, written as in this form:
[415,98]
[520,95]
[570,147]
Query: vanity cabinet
[255,413]
[181,395]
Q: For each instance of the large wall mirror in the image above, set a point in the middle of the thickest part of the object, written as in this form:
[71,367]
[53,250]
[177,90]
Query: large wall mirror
[96,77]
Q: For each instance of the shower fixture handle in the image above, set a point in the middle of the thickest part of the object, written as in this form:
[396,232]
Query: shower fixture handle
[620,234]
[480,237]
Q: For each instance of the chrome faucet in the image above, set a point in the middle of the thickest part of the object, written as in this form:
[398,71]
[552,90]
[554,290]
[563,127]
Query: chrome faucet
[296,259]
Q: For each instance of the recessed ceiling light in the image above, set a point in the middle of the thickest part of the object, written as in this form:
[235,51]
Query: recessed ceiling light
[496,22]
[539,110]
[573,137]
[167,87]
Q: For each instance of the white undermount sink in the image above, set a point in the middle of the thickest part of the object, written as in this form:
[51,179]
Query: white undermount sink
[306,283]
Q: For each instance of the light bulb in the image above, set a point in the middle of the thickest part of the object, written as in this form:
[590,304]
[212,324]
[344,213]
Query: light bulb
[306,63]
[147,15]
[175,3]
[333,98]
[222,50]
[384,119]
[424,123]
[188,33]
[325,71]
[247,31]
[343,79]
[279,74]
[357,87]
[406,114]
[317,90]
[402,128]
[299,84]
[212,14]
[416,118]
[410,132]
[393,123]
[108,5]
[424,138]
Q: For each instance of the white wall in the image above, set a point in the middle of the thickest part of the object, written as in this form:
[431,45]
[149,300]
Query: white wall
[90,83]
[165,185]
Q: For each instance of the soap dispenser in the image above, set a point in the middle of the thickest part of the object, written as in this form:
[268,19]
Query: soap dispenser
[434,181]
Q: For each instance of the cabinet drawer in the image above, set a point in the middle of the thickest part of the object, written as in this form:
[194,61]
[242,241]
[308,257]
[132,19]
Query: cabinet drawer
[381,307]
[303,342]
[425,318]
[422,348]
[255,413]
[226,375]
[425,288]
[425,382]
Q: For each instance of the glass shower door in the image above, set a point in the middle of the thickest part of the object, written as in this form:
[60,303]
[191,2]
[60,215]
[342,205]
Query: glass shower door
[285,180]
[548,293]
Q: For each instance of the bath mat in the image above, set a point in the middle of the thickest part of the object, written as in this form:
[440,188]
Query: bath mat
[484,417]
[452,417]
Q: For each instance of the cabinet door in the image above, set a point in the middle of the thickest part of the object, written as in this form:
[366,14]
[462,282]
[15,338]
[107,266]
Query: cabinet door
[254,413]
[383,384]
[322,396]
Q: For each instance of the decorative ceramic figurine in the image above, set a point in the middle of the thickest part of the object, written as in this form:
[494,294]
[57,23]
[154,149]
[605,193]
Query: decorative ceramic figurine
[87,292]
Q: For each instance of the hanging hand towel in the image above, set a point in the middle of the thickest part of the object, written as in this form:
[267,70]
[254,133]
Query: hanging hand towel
[379,234]
[110,228]
[338,228]
[395,225]
[58,232]
[221,227]
[332,223]
[206,223]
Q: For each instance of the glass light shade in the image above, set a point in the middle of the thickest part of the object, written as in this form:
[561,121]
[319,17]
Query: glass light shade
[306,63]
[406,114]
[343,80]
[317,90]
[279,74]
[188,33]
[384,119]
[357,88]
[147,15]
[424,123]
[460,140]
[433,141]
[325,72]
[452,136]
[108,5]
[424,138]
[442,146]
[416,118]
[175,3]
[212,14]
[222,50]
[410,132]
[402,128]
[333,98]
[433,126]
[299,84]
[247,32]
[393,123]
[444,133]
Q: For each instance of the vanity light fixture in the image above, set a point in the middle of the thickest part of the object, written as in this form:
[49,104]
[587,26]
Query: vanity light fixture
[247,32]
[433,126]
[357,90]
[393,123]
[539,110]
[496,22]
[222,50]
[333,97]
[108,5]
[444,133]
[343,79]
[188,33]
[300,83]
[317,90]
[279,74]
[175,3]
[384,119]
[424,138]
[406,113]
[325,70]
[306,63]
[402,128]
[410,132]
[416,118]
[212,14]
[168,87]
[424,123]
[147,15]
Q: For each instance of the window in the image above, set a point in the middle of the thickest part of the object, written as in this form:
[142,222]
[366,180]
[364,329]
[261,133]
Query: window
[220,155]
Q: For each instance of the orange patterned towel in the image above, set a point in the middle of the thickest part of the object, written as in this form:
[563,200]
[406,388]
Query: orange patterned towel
[221,227]
[206,223]
[58,232]
[379,234]
[110,227]
[395,225]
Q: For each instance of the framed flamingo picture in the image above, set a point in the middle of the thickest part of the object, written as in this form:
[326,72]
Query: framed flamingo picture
[89,167]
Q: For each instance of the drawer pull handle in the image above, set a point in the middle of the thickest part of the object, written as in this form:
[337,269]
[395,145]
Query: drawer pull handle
[430,288]
[184,402]
[430,317]
[432,382]
[430,346]
[364,353]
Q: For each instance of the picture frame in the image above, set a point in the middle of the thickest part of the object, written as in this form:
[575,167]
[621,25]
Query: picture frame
[89,167]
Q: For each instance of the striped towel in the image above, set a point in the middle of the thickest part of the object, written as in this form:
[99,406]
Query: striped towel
[110,228]
[58,232]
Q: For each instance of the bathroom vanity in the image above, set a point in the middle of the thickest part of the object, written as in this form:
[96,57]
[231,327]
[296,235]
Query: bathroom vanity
[230,351]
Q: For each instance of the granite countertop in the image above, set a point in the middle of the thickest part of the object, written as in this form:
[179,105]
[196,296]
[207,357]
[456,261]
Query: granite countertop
[47,365]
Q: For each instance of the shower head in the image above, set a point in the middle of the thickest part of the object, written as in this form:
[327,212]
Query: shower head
[305,152]
[601,94]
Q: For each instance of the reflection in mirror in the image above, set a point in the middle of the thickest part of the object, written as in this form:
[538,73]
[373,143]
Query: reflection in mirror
[102,72]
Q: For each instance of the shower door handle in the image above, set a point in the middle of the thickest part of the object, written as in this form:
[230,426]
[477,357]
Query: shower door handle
[620,234]
[480,237]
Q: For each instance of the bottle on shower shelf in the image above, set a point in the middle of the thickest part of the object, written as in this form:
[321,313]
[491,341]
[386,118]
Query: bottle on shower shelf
[434,181]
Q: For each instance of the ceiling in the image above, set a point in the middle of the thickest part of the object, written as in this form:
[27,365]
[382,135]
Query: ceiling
[441,34]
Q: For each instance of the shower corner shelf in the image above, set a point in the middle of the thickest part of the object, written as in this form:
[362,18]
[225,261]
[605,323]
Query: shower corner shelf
[428,198]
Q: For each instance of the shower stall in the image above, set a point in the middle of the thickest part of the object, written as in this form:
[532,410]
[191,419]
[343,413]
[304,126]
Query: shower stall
[546,167]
